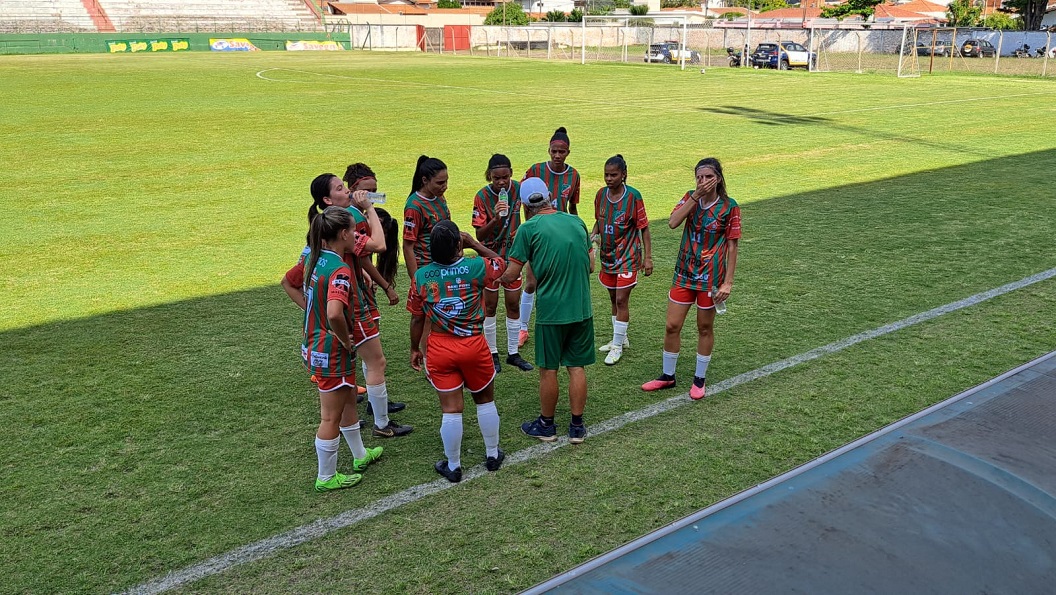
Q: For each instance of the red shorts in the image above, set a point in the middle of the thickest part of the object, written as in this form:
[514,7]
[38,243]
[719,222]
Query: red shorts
[329,385]
[514,285]
[453,362]
[364,330]
[681,295]
[375,314]
[618,280]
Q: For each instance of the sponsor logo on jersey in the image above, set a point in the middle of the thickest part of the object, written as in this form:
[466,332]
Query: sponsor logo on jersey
[450,307]
[342,281]
[319,359]
[408,223]
[621,217]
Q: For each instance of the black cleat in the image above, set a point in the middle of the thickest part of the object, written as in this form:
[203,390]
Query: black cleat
[392,430]
[516,360]
[452,476]
[394,407]
[493,463]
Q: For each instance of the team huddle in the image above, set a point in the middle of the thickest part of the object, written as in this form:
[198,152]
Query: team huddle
[530,243]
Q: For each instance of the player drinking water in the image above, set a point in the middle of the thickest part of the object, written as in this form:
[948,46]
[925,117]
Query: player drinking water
[496,216]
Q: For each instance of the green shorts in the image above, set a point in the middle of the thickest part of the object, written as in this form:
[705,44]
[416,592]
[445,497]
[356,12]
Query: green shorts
[570,345]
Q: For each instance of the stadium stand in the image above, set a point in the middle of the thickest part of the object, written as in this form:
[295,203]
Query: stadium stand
[62,16]
[210,15]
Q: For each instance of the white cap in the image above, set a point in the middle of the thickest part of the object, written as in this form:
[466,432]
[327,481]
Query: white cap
[534,192]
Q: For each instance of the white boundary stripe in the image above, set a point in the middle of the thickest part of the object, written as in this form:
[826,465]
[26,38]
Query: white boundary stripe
[660,105]
[283,541]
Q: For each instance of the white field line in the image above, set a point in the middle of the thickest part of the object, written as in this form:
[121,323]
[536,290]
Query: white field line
[283,541]
[663,104]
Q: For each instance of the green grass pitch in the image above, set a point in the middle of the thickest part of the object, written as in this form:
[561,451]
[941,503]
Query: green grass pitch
[154,408]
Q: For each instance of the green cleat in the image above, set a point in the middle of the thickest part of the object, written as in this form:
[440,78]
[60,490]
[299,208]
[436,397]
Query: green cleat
[373,454]
[338,482]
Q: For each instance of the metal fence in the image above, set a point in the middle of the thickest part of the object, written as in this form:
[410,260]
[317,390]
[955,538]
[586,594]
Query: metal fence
[903,51]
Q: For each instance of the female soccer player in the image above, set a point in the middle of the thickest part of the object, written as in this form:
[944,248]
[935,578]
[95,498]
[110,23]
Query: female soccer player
[328,189]
[496,217]
[449,291]
[359,176]
[426,206]
[622,230]
[707,259]
[327,348]
[563,182]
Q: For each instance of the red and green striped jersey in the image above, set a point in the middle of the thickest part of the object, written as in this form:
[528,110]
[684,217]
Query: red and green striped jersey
[363,302]
[701,261]
[359,294]
[419,216]
[485,209]
[620,225]
[454,293]
[323,354]
[564,187]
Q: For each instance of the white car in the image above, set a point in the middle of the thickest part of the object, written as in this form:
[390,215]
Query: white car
[669,51]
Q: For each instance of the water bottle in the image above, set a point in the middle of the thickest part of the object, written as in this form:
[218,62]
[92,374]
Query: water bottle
[504,203]
[720,307]
[377,198]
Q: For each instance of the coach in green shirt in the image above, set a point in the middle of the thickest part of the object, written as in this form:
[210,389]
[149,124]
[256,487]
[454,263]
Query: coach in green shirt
[557,247]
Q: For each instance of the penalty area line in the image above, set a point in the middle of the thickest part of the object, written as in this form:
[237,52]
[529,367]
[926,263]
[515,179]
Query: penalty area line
[321,527]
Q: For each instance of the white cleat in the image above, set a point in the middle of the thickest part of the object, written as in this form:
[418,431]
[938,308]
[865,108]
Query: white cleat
[614,356]
[608,346]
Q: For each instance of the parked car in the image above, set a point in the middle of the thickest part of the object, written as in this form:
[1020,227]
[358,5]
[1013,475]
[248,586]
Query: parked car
[941,49]
[669,51]
[978,48]
[782,55]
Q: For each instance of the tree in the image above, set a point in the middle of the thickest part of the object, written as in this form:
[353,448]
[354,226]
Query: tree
[555,16]
[448,4]
[509,13]
[963,13]
[860,7]
[1031,12]
[1004,21]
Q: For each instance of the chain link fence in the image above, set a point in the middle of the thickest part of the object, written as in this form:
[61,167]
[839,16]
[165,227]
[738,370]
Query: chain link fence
[896,51]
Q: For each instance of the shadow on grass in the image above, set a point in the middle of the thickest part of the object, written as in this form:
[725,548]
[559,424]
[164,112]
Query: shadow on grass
[142,441]
[774,118]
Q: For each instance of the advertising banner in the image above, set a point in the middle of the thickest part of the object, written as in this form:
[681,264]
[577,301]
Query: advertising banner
[237,44]
[305,46]
[147,45]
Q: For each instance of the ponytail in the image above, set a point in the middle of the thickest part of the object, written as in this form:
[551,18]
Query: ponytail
[325,227]
[427,167]
[387,260]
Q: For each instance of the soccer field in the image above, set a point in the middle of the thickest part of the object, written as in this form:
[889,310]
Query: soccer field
[155,408]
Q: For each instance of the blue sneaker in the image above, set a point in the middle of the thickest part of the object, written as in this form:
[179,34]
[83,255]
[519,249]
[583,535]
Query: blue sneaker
[536,429]
[577,434]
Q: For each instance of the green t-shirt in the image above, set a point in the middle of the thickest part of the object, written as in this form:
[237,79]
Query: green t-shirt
[557,247]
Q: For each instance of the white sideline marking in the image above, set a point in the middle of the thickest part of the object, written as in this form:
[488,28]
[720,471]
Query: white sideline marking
[658,106]
[268,546]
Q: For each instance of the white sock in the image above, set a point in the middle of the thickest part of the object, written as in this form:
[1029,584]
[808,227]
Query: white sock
[702,365]
[513,328]
[363,363]
[488,420]
[490,333]
[326,451]
[527,301]
[613,322]
[378,396]
[619,333]
[670,359]
[354,441]
[451,434]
